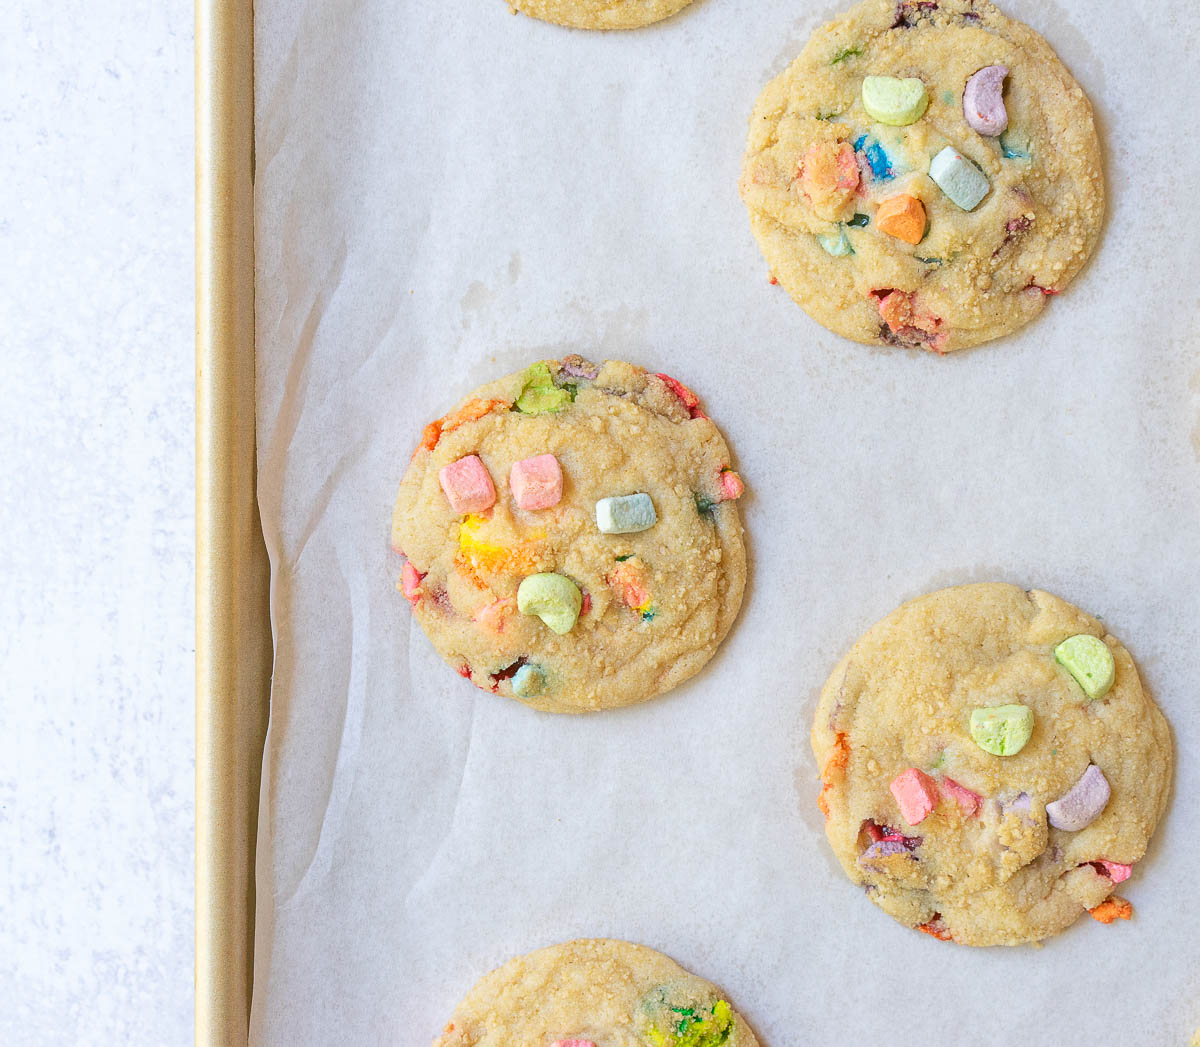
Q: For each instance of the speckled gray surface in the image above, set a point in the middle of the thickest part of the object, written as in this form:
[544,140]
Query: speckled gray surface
[96,531]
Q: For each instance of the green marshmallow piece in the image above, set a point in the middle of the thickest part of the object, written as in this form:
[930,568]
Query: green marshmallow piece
[528,682]
[540,395]
[895,102]
[695,1027]
[554,599]
[1088,659]
[1002,730]
[836,244]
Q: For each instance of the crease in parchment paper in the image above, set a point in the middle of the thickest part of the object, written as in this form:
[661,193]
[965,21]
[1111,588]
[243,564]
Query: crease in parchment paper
[325,493]
[342,780]
[447,836]
[295,383]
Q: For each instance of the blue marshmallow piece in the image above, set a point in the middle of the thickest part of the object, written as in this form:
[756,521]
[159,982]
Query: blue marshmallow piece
[836,243]
[959,179]
[528,682]
[625,514]
[877,158]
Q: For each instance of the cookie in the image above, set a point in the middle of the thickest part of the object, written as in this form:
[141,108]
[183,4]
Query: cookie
[925,174]
[600,14]
[572,535]
[972,784]
[594,993]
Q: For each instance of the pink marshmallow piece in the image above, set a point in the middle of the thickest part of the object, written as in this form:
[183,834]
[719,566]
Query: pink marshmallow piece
[536,483]
[410,582]
[916,793]
[1115,871]
[468,485]
[689,399]
[968,802]
[494,615]
[731,486]
[572,1043]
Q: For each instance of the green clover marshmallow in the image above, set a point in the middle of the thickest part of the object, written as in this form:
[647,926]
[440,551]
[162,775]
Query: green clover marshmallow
[892,101]
[1088,659]
[554,599]
[1002,730]
[540,395]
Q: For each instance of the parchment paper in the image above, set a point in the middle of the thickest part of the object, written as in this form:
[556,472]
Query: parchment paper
[447,192]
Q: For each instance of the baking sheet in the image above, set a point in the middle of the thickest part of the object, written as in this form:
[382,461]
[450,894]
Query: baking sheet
[446,192]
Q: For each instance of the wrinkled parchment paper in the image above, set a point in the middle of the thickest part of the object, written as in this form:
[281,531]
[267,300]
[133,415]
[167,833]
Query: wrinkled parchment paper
[447,192]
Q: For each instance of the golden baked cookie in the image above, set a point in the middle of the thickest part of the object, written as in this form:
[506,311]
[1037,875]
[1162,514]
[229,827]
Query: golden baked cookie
[992,765]
[925,174]
[600,14]
[572,535]
[594,993]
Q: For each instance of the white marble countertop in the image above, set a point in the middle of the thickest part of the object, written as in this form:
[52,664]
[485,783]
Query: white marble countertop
[96,522]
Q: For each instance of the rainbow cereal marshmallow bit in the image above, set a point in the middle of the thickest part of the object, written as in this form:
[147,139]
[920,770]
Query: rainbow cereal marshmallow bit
[902,216]
[528,682]
[959,179]
[1088,659]
[1082,804]
[894,101]
[536,483]
[556,600]
[967,801]
[467,485]
[1002,730]
[983,101]
[916,794]
[625,514]
[1115,871]
[829,177]
[410,582]
[731,486]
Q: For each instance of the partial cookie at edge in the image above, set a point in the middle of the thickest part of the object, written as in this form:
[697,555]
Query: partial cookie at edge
[598,991]
[600,14]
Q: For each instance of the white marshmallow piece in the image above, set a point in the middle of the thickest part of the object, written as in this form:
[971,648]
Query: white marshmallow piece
[959,179]
[625,514]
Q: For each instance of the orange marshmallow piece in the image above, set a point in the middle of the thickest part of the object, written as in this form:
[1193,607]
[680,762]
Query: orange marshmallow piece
[829,176]
[1112,908]
[903,217]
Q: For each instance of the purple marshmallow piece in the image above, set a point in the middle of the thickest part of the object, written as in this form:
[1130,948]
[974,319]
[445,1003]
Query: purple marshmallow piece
[1083,804]
[983,101]
[873,856]
[576,366]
